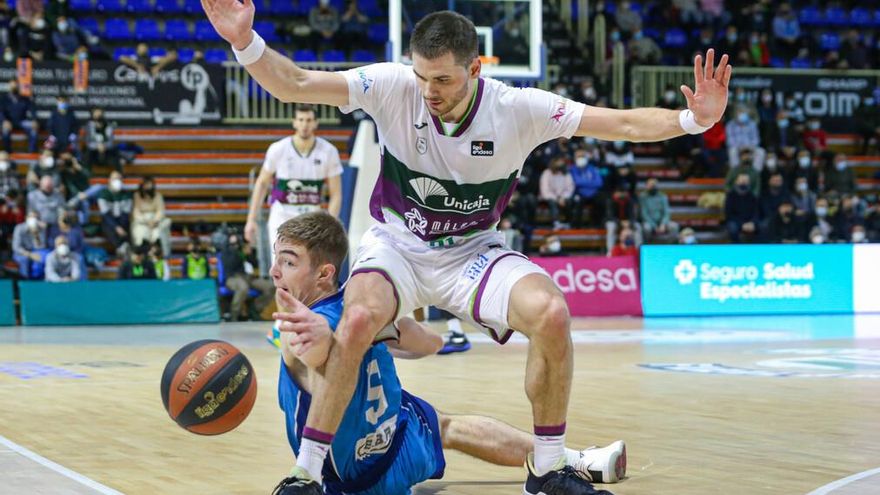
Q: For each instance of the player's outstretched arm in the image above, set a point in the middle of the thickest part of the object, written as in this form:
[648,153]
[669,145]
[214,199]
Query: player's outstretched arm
[277,74]
[415,340]
[706,104]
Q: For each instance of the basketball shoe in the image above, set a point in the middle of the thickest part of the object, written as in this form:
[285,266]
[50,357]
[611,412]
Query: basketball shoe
[605,465]
[455,342]
[561,480]
[274,336]
[298,483]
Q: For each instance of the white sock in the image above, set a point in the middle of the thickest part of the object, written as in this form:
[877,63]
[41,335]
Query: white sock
[454,326]
[548,451]
[311,457]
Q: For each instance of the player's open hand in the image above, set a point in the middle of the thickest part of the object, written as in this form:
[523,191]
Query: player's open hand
[709,100]
[233,20]
[294,316]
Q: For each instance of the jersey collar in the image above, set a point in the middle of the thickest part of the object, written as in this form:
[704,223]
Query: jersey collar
[468,116]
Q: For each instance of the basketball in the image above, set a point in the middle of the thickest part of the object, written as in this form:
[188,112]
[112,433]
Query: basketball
[208,387]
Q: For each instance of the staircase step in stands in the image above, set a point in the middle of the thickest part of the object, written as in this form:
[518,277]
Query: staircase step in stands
[223,139]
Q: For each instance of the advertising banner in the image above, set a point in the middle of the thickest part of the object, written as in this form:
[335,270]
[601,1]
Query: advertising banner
[190,94]
[742,280]
[596,286]
[866,278]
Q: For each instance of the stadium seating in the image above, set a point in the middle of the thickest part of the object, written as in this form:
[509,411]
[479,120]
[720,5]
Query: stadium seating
[305,55]
[333,56]
[117,30]
[81,5]
[147,30]
[216,55]
[177,30]
[110,6]
[139,6]
[204,31]
[169,7]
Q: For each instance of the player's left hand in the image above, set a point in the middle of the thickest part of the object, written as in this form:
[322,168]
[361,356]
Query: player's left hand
[709,100]
[310,328]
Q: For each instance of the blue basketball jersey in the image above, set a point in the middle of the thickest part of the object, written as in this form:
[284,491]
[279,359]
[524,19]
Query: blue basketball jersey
[366,442]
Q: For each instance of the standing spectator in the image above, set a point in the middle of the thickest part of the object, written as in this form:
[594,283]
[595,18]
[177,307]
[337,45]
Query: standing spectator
[621,211]
[784,227]
[195,264]
[767,112]
[148,220]
[62,264]
[19,113]
[627,20]
[27,10]
[841,178]
[63,127]
[654,205]
[354,26]
[714,155]
[743,167]
[815,138]
[137,266]
[115,206]
[771,197]
[742,134]
[324,21]
[786,31]
[758,49]
[557,189]
[643,50]
[867,119]
[512,46]
[741,210]
[100,148]
[853,51]
[588,184]
[46,201]
[238,266]
[65,40]
[626,245]
[35,39]
[29,246]
[9,178]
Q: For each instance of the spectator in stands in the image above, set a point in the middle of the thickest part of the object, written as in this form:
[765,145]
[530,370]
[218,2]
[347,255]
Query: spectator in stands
[840,179]
[148,220]
[626,244]
[744,166]
[353,27]
[867,119]
[627,20]
[784,227]
[556,190]
[714,12]
[56,10]
[654,205]
[76,181]
[324,21]
[815,138]
[643,50]
[35,38]
[63,127]
[47,201]
[786,31]
[859,235]
[624,178]
[803,199]
[589,94]
[9,178]
[731,43]
[758,50]
[621,210]
[160,264]
[12,213]
[714,150]
[100,148]
[512,46]
[872,222]
[687,236]
[742,134]
[195,264]
[552,246]
[144,64]
[69,227]
[847,218]
[62,264]
[741,210]
[238,264]
[115,205]
[513,238]
[784,136]
[588,185]
[821,219]
[767,112]
[795,113]
[689,12]
[771,168]
[29,246]
[19,113]
[771,197]
[137,266]
[809,167]
[44,166]
[704,42]
[65,40]
[28,10]
[620,155]
[853,51]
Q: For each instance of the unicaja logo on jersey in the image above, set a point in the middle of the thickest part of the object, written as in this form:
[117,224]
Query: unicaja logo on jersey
[482,148]
[685,272]
[425,187]
[415,221]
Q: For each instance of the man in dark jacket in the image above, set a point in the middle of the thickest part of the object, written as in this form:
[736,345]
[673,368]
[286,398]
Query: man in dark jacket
[19,113]
[741,210]
[238,263]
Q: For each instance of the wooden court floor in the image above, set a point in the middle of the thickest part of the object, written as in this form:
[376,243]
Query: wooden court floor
[764,406]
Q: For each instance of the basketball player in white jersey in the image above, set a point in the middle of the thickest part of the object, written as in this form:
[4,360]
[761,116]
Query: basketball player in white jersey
[294,173]
[453,144]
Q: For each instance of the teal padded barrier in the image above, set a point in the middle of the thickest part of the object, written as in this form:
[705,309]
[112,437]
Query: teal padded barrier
[7,303]
[119,302]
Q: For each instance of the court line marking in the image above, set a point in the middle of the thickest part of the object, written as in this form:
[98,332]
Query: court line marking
[843,482]
[58,468]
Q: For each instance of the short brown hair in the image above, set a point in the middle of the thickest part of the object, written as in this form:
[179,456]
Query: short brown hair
[445,31]
[305,107]
[322,235]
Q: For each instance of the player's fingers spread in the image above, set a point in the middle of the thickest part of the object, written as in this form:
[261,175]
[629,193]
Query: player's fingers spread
[698,69]
[728,71]
[688,94]
[710,63]
[722,66]
[287,319]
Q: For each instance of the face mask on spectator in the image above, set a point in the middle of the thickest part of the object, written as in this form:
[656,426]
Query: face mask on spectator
[47,162]
[62,26]
[4,166]
[771,163]
[767,98]
[638,35]
[554,247]
[8,56]
[115,185]
[325,3]
[62,250]
[821,211]
[789,104]
[32,223]
[39,24]
[804,162]
[801,186]
[590,93]
[782,123]
[669,96]
[814,125]
[869,101]
[615,36]
[742,118]
[817,239]
[840,165]
[580,161]
[690,239]
[858,236]
[62,107]
[618,145]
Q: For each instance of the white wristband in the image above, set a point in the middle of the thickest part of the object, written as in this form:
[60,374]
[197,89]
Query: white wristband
[253,52]
[688,122]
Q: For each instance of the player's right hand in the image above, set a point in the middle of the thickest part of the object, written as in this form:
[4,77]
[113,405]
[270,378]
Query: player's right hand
[232,19]
[294,316]
[250,231]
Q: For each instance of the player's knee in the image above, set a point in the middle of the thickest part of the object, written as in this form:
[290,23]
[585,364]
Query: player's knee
[554,319]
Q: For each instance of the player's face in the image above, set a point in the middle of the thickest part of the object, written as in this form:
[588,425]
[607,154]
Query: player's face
[445,84]
[293,272]
[304,123]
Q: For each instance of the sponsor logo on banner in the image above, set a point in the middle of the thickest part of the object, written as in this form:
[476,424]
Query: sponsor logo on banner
[769,281]
[596,286]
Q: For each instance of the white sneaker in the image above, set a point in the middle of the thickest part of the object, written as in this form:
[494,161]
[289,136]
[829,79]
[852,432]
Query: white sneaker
[605,465]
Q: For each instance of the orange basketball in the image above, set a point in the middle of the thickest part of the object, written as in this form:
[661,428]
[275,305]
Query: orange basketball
[208,387]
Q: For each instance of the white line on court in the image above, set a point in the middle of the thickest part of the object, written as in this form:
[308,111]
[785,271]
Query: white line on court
[58,468]
[843,482]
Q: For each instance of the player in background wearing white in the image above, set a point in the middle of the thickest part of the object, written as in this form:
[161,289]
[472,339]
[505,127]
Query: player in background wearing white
[453,145]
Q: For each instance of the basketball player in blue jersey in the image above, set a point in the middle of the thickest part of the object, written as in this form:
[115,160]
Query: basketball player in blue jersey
[453,144]
[388,440]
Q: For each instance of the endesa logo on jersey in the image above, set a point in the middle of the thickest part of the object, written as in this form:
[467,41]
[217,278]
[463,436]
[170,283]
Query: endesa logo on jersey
[596,286]
[482,148]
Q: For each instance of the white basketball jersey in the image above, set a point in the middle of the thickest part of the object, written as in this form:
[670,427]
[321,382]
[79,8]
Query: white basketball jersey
[299,179]
[441,187]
